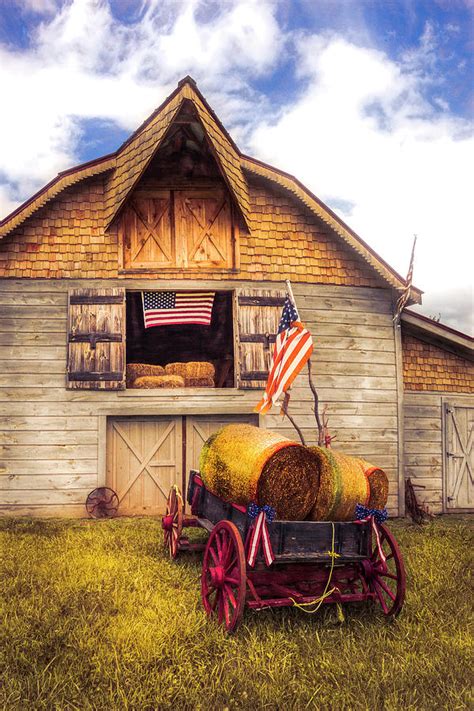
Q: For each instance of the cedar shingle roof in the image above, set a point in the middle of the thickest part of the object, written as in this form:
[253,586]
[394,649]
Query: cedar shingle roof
[129,162]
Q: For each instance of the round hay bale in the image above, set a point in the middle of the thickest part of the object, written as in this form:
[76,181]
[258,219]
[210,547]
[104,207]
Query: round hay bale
[159,381]
[378,485]
[343,484]
[137,370]
[243,463]
[199,382]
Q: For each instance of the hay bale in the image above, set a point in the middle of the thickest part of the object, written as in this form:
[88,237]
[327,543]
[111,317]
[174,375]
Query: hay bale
[242,463]
[176,369]
[137,370]
[343,484]
[199,382]
[378,485]
[192,372]
[159,381]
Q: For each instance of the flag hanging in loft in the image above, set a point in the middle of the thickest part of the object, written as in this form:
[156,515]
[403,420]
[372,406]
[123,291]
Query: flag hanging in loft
[293,347]
[167,308]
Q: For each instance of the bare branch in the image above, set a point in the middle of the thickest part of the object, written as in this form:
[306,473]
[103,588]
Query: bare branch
[316,406]
[284,410]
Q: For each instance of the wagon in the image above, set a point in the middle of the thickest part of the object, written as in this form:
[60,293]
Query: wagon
[314,562]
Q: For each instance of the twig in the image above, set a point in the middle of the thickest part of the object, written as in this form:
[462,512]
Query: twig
[316,406]
[284,410]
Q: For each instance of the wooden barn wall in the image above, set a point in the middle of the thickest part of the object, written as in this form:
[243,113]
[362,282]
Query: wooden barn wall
[52,439]
[66,238]
[424,442]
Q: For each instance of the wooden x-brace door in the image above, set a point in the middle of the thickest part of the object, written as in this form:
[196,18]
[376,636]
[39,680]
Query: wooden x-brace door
[146,231]
[204,229]
[144,459]
[459,449]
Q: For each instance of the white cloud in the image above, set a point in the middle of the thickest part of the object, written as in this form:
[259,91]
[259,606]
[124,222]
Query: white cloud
[361,134]
[83,63]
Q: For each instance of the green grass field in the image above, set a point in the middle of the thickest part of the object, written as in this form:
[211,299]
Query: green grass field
[94,616]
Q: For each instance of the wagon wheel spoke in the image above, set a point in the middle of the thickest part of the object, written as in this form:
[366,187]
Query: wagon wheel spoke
[381,598]
[386,588]
[390,575]
[213,555]
[232,581]
[230,596]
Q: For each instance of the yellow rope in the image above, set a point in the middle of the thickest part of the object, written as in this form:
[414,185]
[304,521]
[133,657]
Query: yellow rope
[318,601]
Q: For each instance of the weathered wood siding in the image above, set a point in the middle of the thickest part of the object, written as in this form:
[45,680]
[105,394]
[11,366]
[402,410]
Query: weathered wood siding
[53,439]
[424,435]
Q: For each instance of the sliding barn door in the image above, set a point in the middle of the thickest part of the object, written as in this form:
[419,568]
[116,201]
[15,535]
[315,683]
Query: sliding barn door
[144,459]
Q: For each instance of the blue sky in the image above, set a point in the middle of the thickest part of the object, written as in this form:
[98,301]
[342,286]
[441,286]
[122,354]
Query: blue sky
[368,102]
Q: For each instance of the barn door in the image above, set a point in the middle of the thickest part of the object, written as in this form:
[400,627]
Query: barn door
[96,339]
[259,314]
[145,231]
[144,459]
[459,466]
[204,228]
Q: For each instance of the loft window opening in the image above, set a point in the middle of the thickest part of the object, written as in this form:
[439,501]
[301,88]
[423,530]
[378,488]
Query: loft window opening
[178,355]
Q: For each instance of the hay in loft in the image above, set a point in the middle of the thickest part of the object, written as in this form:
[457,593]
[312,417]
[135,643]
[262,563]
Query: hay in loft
[159,381]
[137,370]
[242,463]
[343,485]
[199,382]
[378,485]
[196,374]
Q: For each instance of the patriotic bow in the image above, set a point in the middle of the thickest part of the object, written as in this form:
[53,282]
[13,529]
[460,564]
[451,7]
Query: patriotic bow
[375,516]
[259,533]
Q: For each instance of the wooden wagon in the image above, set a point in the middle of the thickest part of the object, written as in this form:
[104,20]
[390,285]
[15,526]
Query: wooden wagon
[314,562]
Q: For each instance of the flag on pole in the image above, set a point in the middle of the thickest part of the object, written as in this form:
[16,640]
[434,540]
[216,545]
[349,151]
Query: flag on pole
[293,347]
[402,301]
[165,308]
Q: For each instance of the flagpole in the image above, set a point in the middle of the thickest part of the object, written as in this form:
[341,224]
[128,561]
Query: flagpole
[290,293]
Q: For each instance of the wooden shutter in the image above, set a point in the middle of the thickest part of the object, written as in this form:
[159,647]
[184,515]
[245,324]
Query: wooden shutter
[145,231]
[96,339]
[204,228]
[259,314]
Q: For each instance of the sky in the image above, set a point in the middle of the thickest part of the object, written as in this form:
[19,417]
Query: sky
[369,103]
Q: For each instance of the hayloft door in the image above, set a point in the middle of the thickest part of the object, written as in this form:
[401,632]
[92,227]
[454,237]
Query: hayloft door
[144,459]
[459,464]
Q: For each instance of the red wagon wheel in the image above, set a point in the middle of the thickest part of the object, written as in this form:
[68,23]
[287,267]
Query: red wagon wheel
[172,522]
[386,578]
[223,580]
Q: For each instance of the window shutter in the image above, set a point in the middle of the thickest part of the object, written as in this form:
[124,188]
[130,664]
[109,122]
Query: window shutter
[259,314]
[96,339]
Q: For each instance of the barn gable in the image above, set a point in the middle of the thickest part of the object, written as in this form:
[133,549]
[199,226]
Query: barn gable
[33,227]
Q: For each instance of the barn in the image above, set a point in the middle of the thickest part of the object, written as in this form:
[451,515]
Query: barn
[179,212]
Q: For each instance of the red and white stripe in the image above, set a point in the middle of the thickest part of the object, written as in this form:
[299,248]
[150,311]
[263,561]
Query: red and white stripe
[293,347]
[260,533]
[189,308]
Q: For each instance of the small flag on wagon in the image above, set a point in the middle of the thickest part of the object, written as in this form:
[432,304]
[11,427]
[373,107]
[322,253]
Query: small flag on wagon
[293,348]
[167,308]
[402,301]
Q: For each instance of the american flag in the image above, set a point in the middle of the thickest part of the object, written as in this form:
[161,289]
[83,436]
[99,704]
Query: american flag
[165,308]
[402,301]
[293,347]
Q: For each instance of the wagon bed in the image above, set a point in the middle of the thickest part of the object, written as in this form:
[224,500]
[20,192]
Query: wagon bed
[312,563]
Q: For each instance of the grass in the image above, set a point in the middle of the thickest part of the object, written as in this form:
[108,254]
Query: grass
[94,616]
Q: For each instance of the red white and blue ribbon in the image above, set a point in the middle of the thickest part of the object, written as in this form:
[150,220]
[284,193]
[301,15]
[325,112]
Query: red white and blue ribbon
[376,517]
[259,535]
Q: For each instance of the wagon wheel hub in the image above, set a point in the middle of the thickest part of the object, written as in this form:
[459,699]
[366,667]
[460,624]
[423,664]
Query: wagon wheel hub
[167,522]
[217,575]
